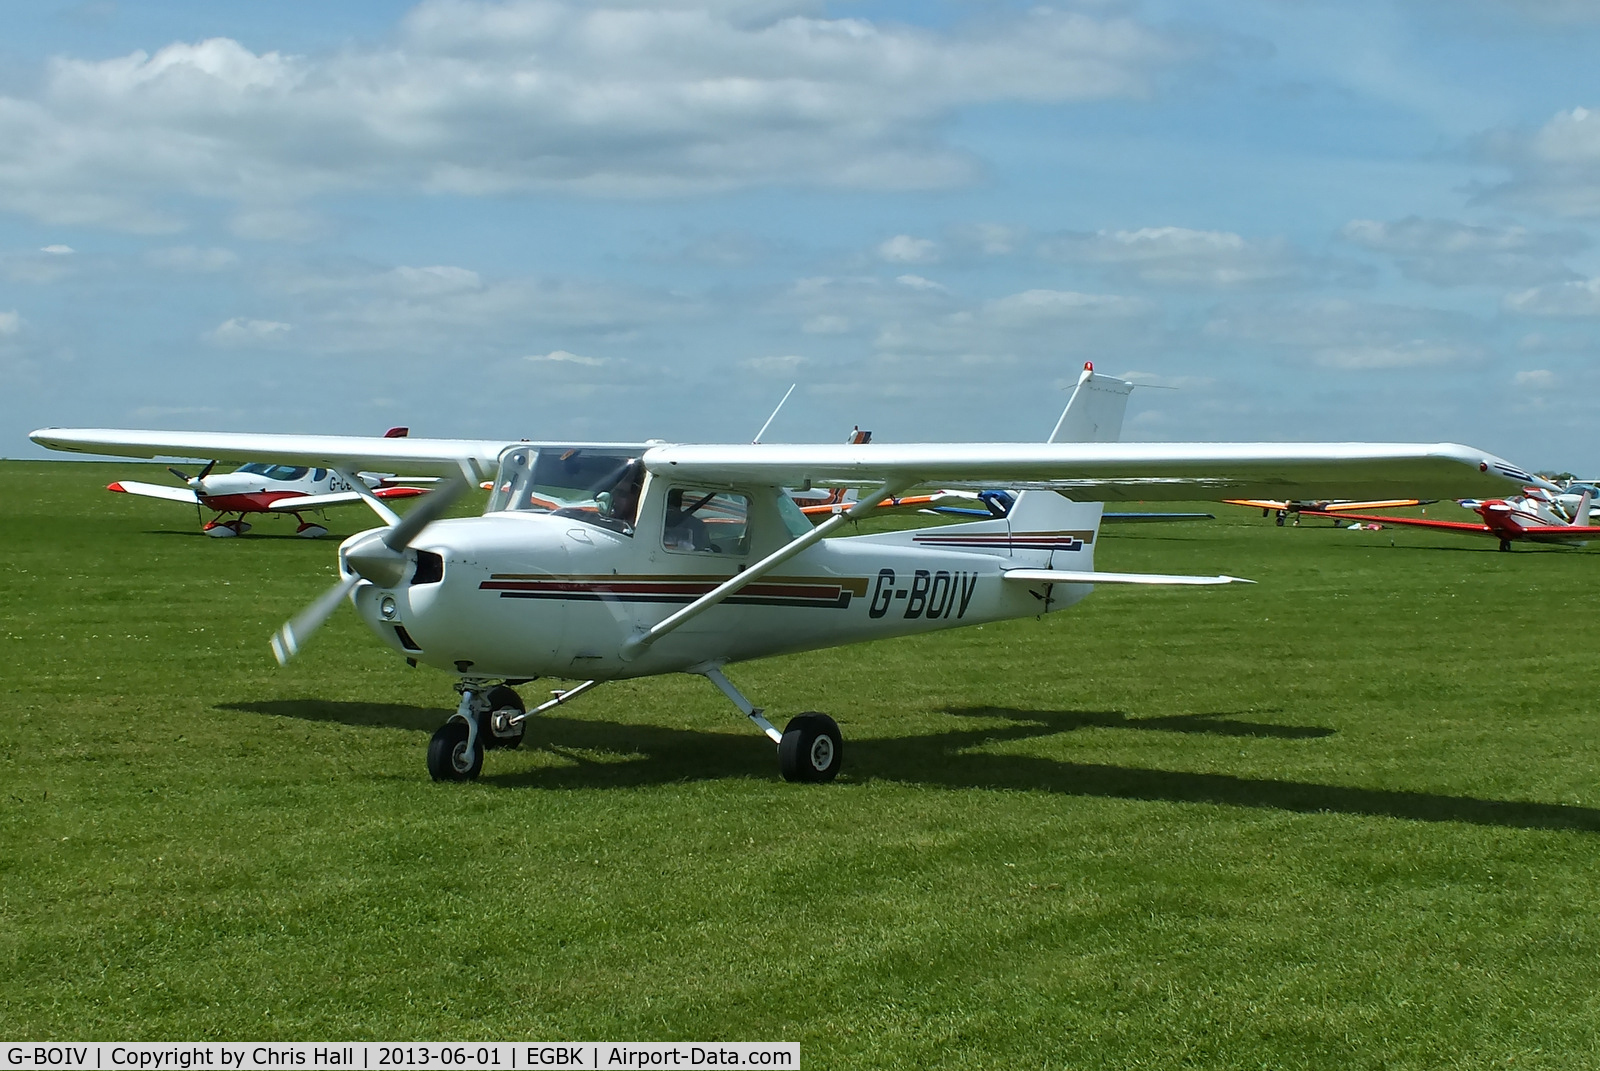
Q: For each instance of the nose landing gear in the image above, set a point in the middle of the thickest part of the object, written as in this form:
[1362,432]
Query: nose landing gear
[490,716]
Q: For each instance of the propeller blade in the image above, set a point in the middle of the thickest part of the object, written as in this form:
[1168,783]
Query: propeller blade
[287,641]
[207,470]
[424,513]
[178,473]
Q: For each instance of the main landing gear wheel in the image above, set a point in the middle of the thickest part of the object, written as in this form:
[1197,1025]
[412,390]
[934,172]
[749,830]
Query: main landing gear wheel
[1505,544]
[502,700]
[449,757]
[308,530]
[811,749]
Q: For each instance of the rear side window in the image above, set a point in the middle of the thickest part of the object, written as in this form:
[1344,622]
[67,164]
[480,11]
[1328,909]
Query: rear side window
[703,520]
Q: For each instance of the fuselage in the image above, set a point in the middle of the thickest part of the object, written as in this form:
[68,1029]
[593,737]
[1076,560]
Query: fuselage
[1512,519]
[520,594]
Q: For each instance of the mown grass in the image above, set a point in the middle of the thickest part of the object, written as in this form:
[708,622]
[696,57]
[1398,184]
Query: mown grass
[1347,817]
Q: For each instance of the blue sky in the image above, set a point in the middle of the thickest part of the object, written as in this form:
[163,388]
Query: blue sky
[1306,220]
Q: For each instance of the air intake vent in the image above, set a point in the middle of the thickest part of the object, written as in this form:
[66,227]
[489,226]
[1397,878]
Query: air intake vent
[405,638]
[430,568]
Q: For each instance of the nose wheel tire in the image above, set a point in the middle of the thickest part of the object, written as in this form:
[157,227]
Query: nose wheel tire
[502,700]
[811,749]
[449,757]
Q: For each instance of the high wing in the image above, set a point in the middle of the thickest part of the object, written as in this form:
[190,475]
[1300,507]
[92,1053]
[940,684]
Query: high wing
[1111,472]
[154,490]
[1413,522]
[332,451]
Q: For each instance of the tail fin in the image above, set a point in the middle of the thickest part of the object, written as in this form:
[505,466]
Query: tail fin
[1580,518]
[1061,531]
[1094,412]
[1093,415]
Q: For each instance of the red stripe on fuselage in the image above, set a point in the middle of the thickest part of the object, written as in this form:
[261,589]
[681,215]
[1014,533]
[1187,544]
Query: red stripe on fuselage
[253,502]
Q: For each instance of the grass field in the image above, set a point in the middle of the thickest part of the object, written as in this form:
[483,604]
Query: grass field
[1349,817]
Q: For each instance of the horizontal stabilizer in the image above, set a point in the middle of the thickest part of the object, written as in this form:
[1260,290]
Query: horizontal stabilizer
[153,490]
[1069,576]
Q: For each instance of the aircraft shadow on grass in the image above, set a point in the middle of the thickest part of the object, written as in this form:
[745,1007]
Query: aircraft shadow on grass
[607,754]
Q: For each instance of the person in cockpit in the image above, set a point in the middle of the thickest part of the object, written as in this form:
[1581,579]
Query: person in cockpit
[683,530]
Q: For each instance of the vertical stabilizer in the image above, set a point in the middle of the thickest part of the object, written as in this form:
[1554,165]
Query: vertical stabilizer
[1580,518]
[1094,412]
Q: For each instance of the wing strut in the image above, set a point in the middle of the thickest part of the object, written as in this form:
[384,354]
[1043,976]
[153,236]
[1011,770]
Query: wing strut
[632,647]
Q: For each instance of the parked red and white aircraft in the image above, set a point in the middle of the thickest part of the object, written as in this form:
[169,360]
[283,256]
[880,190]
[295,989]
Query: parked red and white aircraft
[592,563]
[1523,517]
[268,488]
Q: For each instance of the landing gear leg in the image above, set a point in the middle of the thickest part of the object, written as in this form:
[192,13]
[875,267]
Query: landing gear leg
[309,529]
[490,716]
[456,751]
[1505,544]
[810,748]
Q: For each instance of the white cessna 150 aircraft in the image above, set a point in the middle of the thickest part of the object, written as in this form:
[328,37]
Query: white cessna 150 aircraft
[596,562]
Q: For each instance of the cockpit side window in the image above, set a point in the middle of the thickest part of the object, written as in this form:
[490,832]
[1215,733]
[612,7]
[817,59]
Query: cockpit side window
[706,520]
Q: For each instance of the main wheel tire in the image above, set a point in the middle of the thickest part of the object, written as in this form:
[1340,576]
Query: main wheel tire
[1505,544]
[501,698]
[449,758]
[811,748]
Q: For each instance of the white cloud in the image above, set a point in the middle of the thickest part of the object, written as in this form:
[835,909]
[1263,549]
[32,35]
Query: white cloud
[989,239]
[563,357]
[1580,297]
[191,258]
[781,363]
[1179,256]
[58,250]
[1448,253]
[1414,354]
[1353,335]
[1536,378]
[825,324]
[239,331]
[1556,168]
[917,282]
[904,249]
[527,95]
[1051,306]
[10,323]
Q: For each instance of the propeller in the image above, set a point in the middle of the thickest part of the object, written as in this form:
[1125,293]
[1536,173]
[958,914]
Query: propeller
[195,482]
[379,556]
[186,478]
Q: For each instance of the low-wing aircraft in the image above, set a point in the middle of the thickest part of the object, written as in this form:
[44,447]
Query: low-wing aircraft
[1320,507]
[1510,520]
[597,562]
[269,488]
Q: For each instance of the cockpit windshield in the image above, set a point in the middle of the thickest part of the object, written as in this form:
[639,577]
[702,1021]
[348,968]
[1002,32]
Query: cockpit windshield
[273,472]
[596,486]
